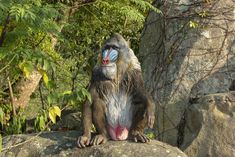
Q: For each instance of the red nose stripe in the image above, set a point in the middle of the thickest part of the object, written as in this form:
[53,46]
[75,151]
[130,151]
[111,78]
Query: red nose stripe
[106,59]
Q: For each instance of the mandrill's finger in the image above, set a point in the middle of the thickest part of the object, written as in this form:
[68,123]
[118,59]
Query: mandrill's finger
[141,138]
[92,141]
[80,143]
[95,141]
[103,141]
[151,121]
[146,139]
[87,142]
[135,139]
[99,140]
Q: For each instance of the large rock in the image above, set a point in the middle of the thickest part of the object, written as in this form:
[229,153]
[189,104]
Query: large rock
[210,126]
[63,144]
[188,52]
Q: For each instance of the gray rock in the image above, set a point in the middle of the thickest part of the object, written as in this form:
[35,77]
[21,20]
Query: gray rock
[62,144]
[210,126]
[181,63]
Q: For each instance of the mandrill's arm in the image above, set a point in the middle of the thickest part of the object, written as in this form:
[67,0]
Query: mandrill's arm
[84,140]
[144,99]
[144,112]
[93,112]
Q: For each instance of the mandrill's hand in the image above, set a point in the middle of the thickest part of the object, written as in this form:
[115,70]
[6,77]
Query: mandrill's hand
[98,139]
[150,118]
[83,141]
[139,137]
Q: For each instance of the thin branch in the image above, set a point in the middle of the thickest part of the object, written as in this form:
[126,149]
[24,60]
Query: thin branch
[11,96]
[41,96]
[8,64]
[40,41]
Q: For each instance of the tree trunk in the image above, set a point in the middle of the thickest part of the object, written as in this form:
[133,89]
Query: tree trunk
[27,86]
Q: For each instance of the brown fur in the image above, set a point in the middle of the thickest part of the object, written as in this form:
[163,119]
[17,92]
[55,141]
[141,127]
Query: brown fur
[129,79]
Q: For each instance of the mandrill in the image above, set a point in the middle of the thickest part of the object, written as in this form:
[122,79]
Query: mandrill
[120,108]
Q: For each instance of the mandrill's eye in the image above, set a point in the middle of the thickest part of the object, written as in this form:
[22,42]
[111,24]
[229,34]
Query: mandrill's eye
[110,54]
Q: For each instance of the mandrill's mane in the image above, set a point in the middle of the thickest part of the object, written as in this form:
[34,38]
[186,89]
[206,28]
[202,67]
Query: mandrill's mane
[128,70]
[125,81]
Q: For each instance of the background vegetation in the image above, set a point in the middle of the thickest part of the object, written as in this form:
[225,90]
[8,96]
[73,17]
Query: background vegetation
[59,40]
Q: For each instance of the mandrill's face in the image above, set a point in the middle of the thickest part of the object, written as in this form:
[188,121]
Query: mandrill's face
[109,57]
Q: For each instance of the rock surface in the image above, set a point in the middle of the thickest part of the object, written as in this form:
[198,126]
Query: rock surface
[210,126]
[187,53]
[63,144]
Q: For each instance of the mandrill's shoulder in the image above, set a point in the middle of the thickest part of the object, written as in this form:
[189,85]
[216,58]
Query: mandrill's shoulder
[134,77]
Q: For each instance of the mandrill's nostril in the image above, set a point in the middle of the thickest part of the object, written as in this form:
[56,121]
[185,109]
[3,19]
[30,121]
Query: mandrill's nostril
[105,61]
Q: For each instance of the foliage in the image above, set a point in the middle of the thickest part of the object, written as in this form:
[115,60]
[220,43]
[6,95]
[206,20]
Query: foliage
[54,112]
[16,125]
[11,124]
[40,122]
[193,24]
[60,39]
[151,135]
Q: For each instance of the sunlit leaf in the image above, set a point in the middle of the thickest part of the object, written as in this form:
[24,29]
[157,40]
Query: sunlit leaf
[67,92]
[193,24]
[1,116]
[57,111]
[44,76]
[41,123]
[151,135]
[54,112]
[52,115]
[26,68]
[203,14]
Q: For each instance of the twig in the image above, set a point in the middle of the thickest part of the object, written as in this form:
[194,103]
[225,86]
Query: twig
[11,96]
[40,41]
[7,64]
[21,143]
[40,93]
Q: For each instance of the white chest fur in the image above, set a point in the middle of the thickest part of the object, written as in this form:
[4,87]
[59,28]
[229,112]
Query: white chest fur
[119,109]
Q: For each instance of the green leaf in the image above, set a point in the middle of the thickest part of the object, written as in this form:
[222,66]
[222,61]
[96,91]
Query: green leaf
[49,99]
[52,116]
[26,67]
[89,98]
[46,64]
[1,116]
[68,92]
[53,112]
[193,24]
[44,76]
[151,135]
[3,7]
[203,14]
[41,123]
[57,111]
[86,94]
